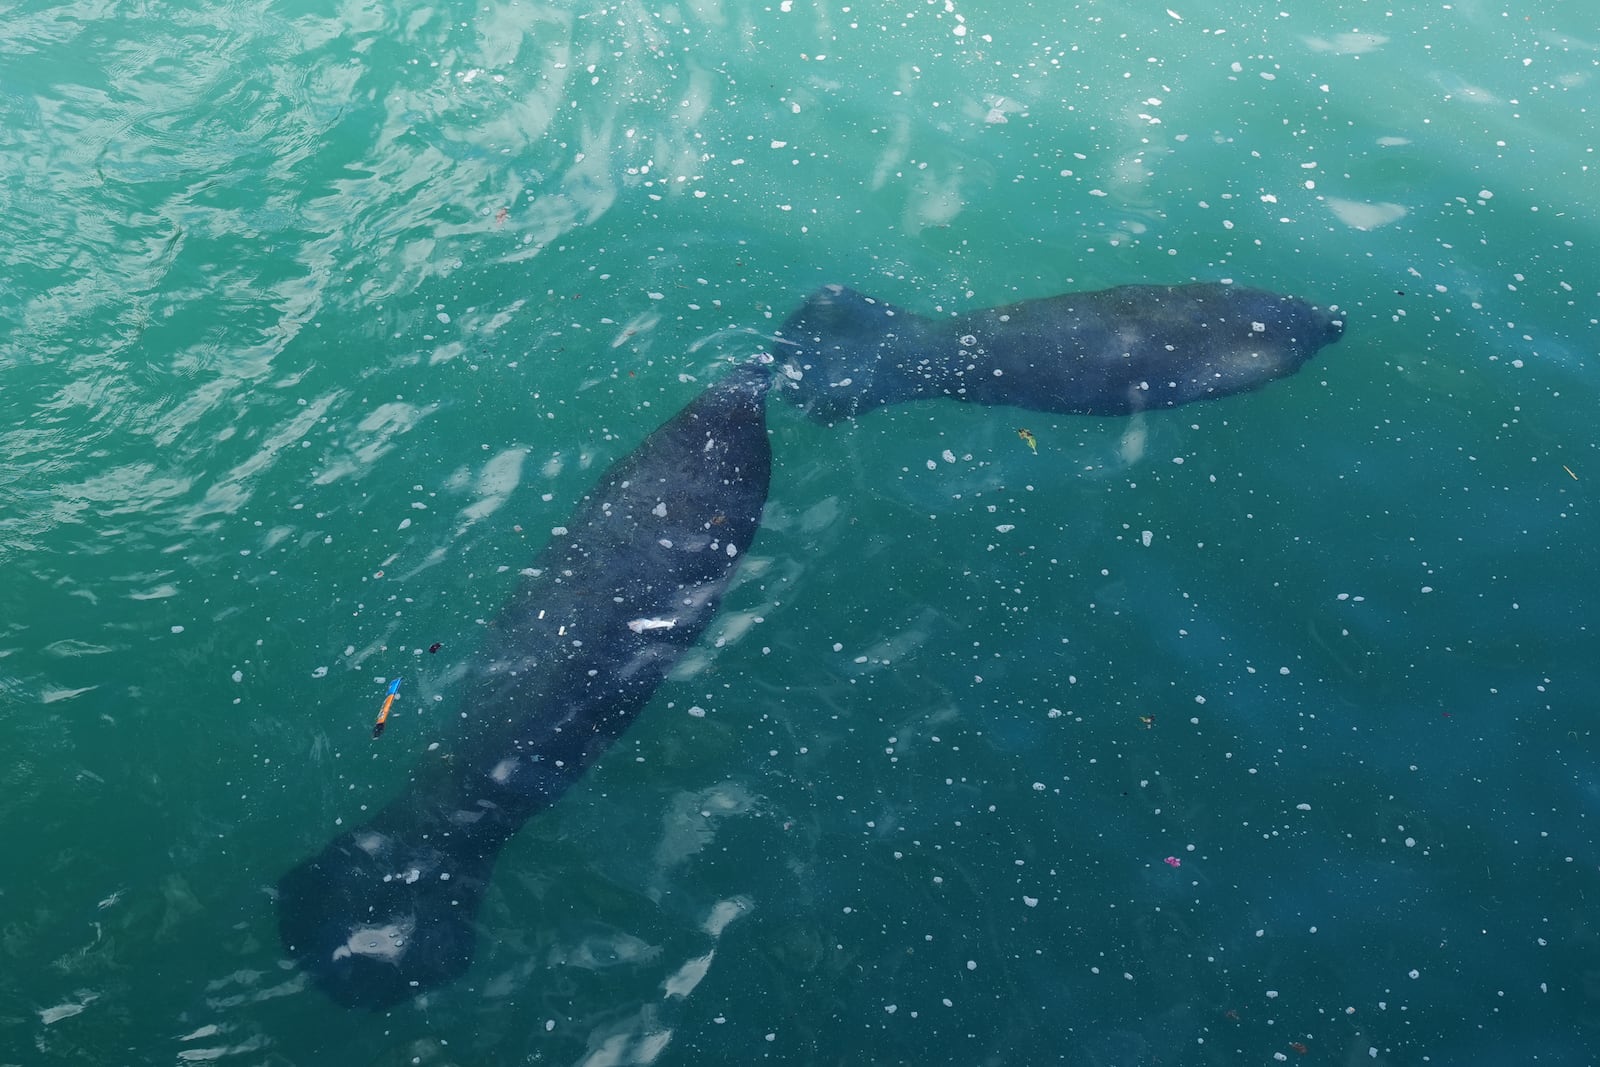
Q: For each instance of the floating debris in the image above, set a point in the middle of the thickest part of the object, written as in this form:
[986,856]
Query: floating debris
[383,712]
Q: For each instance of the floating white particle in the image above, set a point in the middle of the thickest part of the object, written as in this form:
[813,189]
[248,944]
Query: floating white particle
[1302,807]
[1427,589]
[1005,527]
[837,647]
[660,510]
[1413,973]
[1173,14]
[1411,842]
[948,456]
[972,965]
[1484,194]
[177,629]
[780,144]
[549,1024]
[697,711]
[1272,994]
[1038,787]
[558,531]
[320,672]
[890,1008]
[238,676]
[640,626]
[1362,215]
[1032,902]
[1199,699]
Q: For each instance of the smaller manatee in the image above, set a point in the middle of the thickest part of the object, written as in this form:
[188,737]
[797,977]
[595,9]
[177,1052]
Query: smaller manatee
[1111,352]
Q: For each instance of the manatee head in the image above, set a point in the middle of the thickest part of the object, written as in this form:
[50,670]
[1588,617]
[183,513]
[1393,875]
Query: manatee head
[1234,339]
[1258,329]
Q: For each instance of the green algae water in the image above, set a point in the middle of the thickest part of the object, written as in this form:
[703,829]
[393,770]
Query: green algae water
[1251,730]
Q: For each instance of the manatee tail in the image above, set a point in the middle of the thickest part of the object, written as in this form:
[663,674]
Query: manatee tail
[845,353]
[380,896]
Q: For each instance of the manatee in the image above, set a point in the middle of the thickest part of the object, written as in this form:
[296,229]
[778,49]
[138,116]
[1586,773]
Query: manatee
[386,910]
[1111,352]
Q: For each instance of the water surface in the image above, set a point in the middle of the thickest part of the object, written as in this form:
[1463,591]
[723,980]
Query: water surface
[318,321]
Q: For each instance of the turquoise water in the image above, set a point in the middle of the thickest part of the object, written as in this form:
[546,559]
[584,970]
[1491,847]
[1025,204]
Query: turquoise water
[316,322]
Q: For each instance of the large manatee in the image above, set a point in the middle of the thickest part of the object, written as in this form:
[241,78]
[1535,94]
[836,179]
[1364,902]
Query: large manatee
[387,909]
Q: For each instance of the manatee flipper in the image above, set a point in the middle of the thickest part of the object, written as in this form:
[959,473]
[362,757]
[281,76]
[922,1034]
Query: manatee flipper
[1110,352]
[387,910]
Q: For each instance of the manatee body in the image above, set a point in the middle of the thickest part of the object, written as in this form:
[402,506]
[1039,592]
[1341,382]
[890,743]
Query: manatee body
[387,910]
[1111,352]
